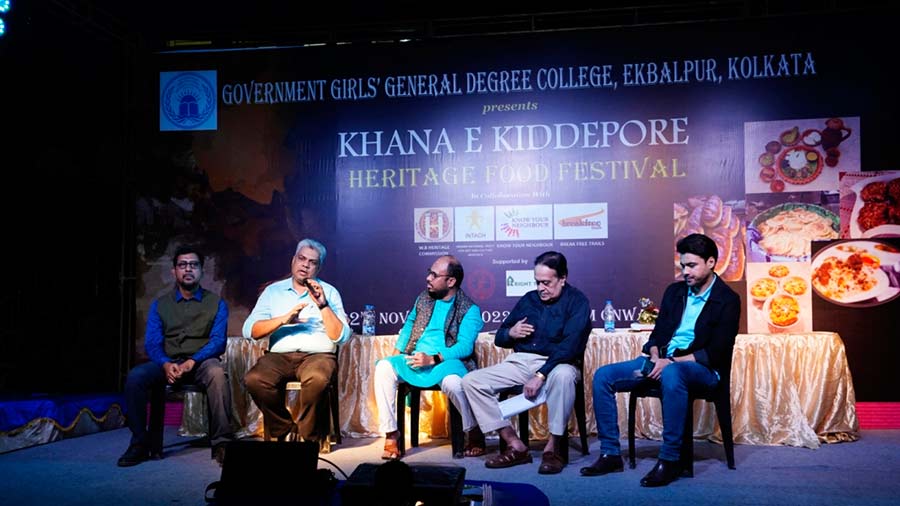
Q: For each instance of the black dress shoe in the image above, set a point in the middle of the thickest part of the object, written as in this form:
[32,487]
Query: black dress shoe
[134,455]
[663,473]
[604,464]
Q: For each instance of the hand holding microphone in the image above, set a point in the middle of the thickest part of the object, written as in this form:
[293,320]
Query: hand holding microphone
[316,293]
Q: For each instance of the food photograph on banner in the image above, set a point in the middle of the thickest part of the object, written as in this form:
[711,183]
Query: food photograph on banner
[857,273]
[781,226]
[870,204]
[779,298]
[723,222]
[799,155]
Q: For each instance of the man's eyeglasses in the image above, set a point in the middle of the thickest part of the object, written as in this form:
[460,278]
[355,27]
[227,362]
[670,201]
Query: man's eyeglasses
[185,265]
[431,274]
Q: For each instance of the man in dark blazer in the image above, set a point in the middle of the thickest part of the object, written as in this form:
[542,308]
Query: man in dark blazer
[691,343]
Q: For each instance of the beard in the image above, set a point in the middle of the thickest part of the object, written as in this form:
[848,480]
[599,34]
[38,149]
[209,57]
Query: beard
[189,286]
[438,294]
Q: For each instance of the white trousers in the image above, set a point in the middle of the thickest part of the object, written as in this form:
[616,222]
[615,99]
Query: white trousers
[483,386]
[386,381]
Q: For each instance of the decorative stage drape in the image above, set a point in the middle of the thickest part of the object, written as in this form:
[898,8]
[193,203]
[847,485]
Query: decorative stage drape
[790,389]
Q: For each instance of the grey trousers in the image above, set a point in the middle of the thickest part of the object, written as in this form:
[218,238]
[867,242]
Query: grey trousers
[483,386]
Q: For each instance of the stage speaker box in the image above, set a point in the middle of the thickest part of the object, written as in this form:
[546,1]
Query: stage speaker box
[434,485]
[268,472]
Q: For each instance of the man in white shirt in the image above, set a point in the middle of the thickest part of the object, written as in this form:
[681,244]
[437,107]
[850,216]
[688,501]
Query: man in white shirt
[305,321]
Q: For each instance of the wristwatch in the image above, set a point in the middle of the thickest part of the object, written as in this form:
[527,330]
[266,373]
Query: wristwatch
[437,359]
[323,306]
[539,374]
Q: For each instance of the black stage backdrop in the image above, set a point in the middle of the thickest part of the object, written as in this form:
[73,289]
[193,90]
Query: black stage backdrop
[606,145]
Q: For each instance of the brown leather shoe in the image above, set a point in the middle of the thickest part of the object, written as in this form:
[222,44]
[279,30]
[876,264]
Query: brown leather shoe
[551,463]
[509,458]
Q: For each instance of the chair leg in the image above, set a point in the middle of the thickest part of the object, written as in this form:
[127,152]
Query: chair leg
[632,404]
[335,411]
[580,417]
[523,427]
[415,395]
[723,412]
[457,437]
[401,417]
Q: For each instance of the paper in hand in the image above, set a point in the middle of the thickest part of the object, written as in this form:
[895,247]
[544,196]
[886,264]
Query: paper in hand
[519,403]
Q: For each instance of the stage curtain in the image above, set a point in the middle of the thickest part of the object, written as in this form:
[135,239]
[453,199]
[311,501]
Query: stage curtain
[790,389]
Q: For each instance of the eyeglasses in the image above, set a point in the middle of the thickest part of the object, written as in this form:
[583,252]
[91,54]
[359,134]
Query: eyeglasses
[431,274]
[185,265]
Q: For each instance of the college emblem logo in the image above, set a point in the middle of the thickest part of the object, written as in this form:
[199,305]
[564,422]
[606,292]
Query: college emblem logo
[187,100]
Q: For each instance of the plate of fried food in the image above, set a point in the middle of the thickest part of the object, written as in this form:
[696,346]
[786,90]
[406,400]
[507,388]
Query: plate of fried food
[876,211]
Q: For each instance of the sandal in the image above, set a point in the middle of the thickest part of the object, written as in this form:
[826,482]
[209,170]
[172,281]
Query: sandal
[474,450]
[509,458]
[475,446]
[391,451]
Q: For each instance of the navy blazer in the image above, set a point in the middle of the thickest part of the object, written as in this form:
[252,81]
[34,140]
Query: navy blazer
[715,330]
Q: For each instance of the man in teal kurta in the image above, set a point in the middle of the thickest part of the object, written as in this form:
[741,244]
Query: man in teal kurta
[435,346]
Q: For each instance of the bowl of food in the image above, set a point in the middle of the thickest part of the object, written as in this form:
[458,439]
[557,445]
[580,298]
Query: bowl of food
[784,232]
[811,137]
[782,312]
[779,271]
[763,288]
[794,285]
[799,165]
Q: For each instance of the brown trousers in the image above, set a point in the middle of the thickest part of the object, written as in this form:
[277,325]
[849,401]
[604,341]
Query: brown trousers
[266,383]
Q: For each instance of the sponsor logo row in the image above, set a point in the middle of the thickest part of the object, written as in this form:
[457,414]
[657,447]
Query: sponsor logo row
[511,223]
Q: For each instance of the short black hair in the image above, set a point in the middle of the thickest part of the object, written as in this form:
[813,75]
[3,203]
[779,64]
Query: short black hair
[187,249]
[554,260]
[699,245]
[455,270]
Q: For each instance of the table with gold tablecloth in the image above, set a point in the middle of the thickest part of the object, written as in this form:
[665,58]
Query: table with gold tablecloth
[792,389]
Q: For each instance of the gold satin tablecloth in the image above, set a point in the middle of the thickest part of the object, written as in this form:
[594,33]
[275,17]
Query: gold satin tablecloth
[790,389]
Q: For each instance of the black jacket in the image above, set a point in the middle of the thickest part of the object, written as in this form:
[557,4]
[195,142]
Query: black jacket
[714,332]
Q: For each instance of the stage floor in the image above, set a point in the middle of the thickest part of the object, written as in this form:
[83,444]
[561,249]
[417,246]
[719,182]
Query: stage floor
[82,471]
